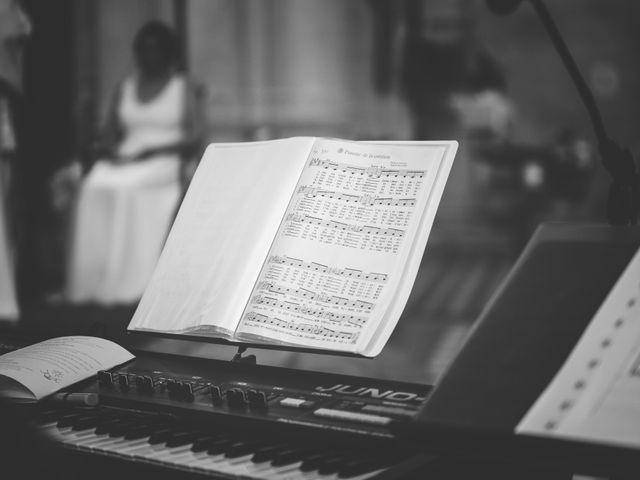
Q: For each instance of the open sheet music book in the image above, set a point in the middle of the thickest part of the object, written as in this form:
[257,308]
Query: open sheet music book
[595,396]
[306,242]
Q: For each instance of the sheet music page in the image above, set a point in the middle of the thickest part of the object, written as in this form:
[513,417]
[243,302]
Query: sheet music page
[595,395]
[49,366]
[340,252]
[221,237]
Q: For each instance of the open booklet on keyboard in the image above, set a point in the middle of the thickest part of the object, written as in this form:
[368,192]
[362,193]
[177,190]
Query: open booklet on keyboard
[37,371]
[306,242]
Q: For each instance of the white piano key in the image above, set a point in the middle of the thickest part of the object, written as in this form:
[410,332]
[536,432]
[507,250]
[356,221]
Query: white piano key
[146,451]
[226,466]
[284,471]
[121,448]
[166,455]
[96,442]
[71,437]
[368,474]
[202,461]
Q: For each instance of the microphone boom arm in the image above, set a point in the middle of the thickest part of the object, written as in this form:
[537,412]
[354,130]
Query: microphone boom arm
[572,68]
[624,192]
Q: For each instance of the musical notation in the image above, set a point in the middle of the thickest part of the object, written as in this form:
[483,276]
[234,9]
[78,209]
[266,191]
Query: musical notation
[318,297]
[372,171]
[294,326]
[368,200]
[308,219]
[314,312]
[318,267]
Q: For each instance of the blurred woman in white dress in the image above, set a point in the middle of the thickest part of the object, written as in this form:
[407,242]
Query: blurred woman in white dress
[127,202]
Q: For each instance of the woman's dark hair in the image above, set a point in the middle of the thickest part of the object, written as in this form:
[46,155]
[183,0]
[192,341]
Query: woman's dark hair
[163,35]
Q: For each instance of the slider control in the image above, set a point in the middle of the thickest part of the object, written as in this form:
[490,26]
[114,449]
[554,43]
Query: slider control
[257,399]
[215,393]
[123,381]
[145,384]
[105,379]
[236,398]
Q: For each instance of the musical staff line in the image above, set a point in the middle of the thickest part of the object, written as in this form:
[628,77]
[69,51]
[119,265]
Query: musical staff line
[318,267]
[294,326]
[367,229]
[308,294]
[368,200]
[314,312]
[372,171]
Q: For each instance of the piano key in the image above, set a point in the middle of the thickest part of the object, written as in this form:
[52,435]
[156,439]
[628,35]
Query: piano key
[160,436]
[313,461]
[359,467]
[289,456]
[240,449]
[92,443]
[333,464]
[120,429]
[183,457]
[181,438]
[107,425]
[201,444]
[88,422]
[282,471]
[68,420]
[76,439]
[47,416]
[219,446]
[141,432]
[119,447]
[139,450]
[225,455]
[267,453]
[166,455]
[243,466]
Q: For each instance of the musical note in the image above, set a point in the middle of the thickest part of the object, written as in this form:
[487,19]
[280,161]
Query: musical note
[317,267]
[308,219]
[372,171]
[293,326]
[358,321]
[309,295]
[314,312]
[368,200]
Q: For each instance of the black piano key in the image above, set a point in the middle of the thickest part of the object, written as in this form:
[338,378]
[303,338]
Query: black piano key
[67,420]
[106,426]
[47,416]
[287,457]
[144,430]
[219,446]
[333,464]
[120,428]
[313,461]
[89,422]
[239,449]
[202,443]
[181,438]
[269,452]
[160,436]
[352,468]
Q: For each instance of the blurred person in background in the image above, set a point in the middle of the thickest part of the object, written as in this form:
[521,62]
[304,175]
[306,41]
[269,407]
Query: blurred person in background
[127,202]
[452,85]
[433,47]
[14,30]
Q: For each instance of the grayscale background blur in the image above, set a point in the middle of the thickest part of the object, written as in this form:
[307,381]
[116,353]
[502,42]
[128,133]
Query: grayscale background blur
[354,69]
